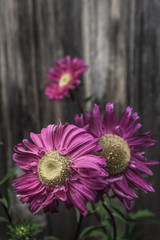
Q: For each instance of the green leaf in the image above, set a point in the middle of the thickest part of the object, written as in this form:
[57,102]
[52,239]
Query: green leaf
[77,214]
[96,233]
[86,231]
[10,172]
[1,143]
[4,202]
[108,225]
[131,226]
[37,228]
[10,199]
[120,234]
[11,228]
[89,98]
[36,225]
[100,208]
[92,209]
[119,214]
[140,214]
[89,207]
[3,219]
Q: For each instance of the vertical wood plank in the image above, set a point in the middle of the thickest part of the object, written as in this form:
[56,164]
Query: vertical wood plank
[143,88]
[118,39]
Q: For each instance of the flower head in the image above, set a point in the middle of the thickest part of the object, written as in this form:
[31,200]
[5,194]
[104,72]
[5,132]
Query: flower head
[120,145]
[64,77]
[23,229]
[60,165]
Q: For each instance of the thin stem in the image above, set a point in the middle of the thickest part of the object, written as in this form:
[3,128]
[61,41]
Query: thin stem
[108,196]
[79,103]
[78,227]
[127,225]
[112,219]
[98,218]
[75,97]
[6,210]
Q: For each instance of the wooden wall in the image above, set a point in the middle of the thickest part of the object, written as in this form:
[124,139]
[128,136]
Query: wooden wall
[120,41]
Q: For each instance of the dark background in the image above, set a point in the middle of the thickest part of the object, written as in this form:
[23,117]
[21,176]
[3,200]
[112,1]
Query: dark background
[118,39]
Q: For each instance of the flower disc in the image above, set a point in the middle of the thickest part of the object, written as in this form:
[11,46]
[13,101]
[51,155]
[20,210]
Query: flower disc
[52,169]
[116,151]
[65,79]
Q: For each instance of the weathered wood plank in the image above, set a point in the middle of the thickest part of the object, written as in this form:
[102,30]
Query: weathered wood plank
[118,39]
[144,88]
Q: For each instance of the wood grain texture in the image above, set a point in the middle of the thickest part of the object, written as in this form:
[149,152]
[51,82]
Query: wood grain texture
[143,89]
[118,39]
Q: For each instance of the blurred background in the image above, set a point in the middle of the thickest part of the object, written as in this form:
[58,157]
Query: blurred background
[118,39]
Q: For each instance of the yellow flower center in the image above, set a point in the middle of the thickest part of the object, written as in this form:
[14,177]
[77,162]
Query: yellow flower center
[65,80]
[52,169]
[116,151]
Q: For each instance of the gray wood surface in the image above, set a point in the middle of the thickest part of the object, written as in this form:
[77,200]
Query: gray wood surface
[120,41]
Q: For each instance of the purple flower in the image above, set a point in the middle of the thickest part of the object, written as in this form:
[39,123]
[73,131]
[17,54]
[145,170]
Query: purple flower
[64,77]
[59,165]
[121,150]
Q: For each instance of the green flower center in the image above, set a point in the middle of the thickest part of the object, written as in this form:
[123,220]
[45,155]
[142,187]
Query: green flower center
[116,151]
[65,80]
[52,169]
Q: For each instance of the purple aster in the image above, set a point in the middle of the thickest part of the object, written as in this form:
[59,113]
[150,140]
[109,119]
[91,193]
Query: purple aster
[64,77]
[121,150]
[59,165]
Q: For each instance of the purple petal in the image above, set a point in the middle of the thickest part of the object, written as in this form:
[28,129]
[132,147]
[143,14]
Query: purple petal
[87,148]
[78,200]
[79,121]
[123,186]
[52,207]
[109,120]
[141,140]
[47,137]
[95,184]
[30,146]
[36,138]
[86,192]
[127,203]
[141,165]
[135,179]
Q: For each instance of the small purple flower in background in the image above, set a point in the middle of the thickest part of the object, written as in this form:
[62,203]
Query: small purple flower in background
[120,147]
[60,165]
[64,77]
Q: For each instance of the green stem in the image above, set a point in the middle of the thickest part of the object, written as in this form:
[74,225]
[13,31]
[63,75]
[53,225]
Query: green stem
[112,219]
[78,227]
[98,218]
[127,225]
[75,97]
[5,209]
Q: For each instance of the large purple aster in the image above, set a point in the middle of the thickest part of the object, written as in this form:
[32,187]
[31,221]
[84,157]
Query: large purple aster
[121,150]
[60,165]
